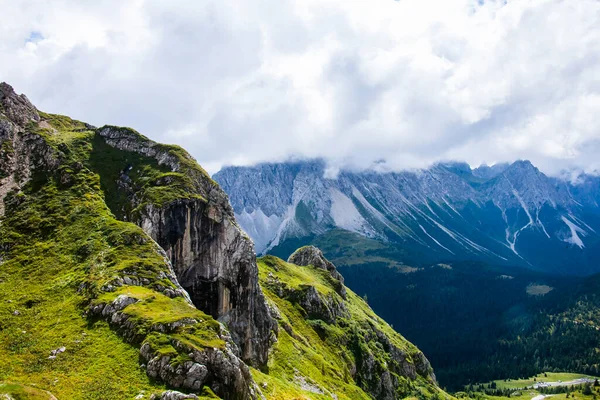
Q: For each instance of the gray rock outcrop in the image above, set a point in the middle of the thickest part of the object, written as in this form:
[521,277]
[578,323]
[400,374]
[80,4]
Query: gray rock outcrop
[21,152]
[310,255]
[212,257]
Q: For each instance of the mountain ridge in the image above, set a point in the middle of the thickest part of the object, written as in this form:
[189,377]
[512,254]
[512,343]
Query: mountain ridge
[124,274]
[449,210]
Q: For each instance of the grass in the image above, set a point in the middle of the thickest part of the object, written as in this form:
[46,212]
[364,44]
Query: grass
[321,354]
[22,392]
[65,243]
[529,394]
[519,390]
[60,245]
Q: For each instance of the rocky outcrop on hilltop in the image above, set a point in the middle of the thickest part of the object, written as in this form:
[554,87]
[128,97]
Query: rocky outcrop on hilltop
[310,255]
[21,152]
[17,108]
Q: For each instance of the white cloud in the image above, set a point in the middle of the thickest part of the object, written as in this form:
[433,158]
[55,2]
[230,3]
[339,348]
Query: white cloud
[238,82]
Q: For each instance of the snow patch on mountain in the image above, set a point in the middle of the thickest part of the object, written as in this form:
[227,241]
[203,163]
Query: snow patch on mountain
[435,240]
[259,227]
[345,214]
[575,231]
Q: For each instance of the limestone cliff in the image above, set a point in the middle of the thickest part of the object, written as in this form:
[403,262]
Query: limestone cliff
[212,257]
[21,152]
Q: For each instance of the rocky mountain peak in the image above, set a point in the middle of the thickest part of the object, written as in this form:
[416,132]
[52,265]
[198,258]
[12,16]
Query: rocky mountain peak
[522,166]
[16,108]
[490,212]
[490,171]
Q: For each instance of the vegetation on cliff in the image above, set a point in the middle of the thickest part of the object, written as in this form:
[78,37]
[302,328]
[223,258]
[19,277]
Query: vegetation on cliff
[60,246]
[91,308]
[328,344]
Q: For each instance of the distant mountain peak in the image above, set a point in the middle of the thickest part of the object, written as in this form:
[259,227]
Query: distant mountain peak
[522,165]
[492,213]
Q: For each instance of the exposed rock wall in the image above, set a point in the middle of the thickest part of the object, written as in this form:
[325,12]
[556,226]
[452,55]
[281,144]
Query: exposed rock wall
[382,383]
[212,257]
[21,152]
[310,255]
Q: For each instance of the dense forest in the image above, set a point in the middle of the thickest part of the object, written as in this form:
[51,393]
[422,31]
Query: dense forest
[477,322]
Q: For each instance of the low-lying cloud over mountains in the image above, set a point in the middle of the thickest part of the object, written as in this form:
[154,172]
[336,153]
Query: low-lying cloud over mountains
[410,82]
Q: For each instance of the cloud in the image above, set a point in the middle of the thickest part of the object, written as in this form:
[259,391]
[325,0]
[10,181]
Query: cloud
[409,82]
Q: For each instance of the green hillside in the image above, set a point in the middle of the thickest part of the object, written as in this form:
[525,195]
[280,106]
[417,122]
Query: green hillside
[326,352]
[91,307]
[60,245]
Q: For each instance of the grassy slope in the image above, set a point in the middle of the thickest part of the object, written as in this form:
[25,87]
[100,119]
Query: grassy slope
[322,359]
[22,392]
[60,238]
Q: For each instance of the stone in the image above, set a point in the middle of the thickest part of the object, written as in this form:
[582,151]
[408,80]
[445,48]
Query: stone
[173,395]
[17,108]
[212,258]
[310,255]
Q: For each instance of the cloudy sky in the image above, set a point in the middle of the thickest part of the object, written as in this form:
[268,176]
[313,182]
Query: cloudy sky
[395,83]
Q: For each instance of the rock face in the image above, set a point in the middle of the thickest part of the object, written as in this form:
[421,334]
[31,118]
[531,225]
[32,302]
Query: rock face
[21,153]
[17,108]
[219,369]
[505,214]
[310,255]
[212,257]
[383,383]
[197,238]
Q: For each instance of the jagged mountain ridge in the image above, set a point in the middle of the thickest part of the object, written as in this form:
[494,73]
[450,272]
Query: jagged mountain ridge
[123,273]
[507,214]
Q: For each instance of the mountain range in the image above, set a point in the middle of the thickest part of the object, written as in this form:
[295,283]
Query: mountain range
[505,214]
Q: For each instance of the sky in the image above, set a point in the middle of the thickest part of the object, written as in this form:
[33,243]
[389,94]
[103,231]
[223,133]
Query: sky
[379,84]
